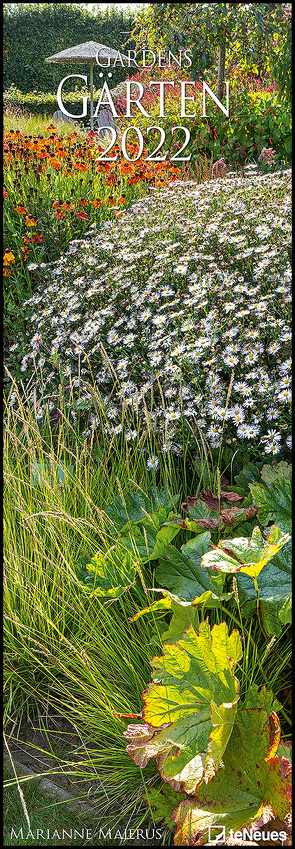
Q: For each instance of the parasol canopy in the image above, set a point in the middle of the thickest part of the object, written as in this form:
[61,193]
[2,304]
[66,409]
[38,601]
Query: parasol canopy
[86,54]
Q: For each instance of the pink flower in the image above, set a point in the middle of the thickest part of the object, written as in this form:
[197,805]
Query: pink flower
[219,168]
[267,155]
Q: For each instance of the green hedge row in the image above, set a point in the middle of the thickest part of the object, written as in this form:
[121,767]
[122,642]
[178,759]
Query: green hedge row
[33,31]
[46,104]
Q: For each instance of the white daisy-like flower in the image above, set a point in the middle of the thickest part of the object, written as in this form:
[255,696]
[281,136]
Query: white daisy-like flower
[242,431]
[152,463]
[214,430]
[252,431]
[145,315]
[272,414]
[251,357]
[160,320]
[156,358]
[113,337]
[181,269]
[284,382]
[129,339]
[130,435]
[272,436]
[230,360]
[172,415]
[273,348]
[272,447]
[237,414]
[215,441]
[178,350]
[285,396]
[118,429]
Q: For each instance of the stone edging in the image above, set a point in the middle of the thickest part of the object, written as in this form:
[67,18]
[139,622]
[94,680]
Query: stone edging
[74,805]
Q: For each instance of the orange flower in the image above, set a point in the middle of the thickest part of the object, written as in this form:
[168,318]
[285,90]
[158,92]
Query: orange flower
[80,167]
[82,216]
[30,222]
[60,214]
[68,206]
[24,253]
[21,209]
[8,258]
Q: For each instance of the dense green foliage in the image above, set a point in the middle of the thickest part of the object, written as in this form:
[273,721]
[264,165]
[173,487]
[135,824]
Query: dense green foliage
[256,36]
[203,722]
[33,31]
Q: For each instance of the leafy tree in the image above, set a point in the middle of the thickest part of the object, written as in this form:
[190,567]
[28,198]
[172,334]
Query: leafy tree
[258,32]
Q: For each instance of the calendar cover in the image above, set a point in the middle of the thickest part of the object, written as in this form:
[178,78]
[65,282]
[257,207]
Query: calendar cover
[147,424]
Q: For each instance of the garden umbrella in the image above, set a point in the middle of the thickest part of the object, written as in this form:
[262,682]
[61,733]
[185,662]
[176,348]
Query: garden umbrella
[85,54]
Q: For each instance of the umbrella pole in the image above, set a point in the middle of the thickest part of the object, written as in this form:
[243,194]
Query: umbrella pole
[91,95]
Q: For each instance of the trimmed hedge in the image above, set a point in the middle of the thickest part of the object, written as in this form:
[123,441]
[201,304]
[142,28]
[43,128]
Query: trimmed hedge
[37,30]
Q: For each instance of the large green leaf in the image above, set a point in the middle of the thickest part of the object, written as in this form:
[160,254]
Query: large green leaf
[250,785]
[136,505]
[187,586]
[189,716]
[207,513]
[182,574]
[161,800]
[184,615]
[244,478]
[274,502]
[244,555]
[274,587]
[110,574]
[260,698]
[271,473]
[148,539]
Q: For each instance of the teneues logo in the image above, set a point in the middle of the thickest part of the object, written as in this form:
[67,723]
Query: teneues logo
[218,834]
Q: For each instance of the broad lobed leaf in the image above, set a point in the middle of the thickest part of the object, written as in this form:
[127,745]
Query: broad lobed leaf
[274,502]
[248,786]
[244,555]
[190,706]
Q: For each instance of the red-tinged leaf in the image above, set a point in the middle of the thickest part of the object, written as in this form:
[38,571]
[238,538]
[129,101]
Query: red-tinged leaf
[275,734]
[190,706]
[128,715]
[162,800]
[244,555]
[143,746]
[211,500]
[248,787]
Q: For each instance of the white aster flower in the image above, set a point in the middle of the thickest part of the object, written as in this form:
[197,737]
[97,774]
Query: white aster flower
[152,462]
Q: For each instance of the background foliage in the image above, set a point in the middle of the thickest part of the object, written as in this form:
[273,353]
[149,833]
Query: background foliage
[255,36]
[33,31]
